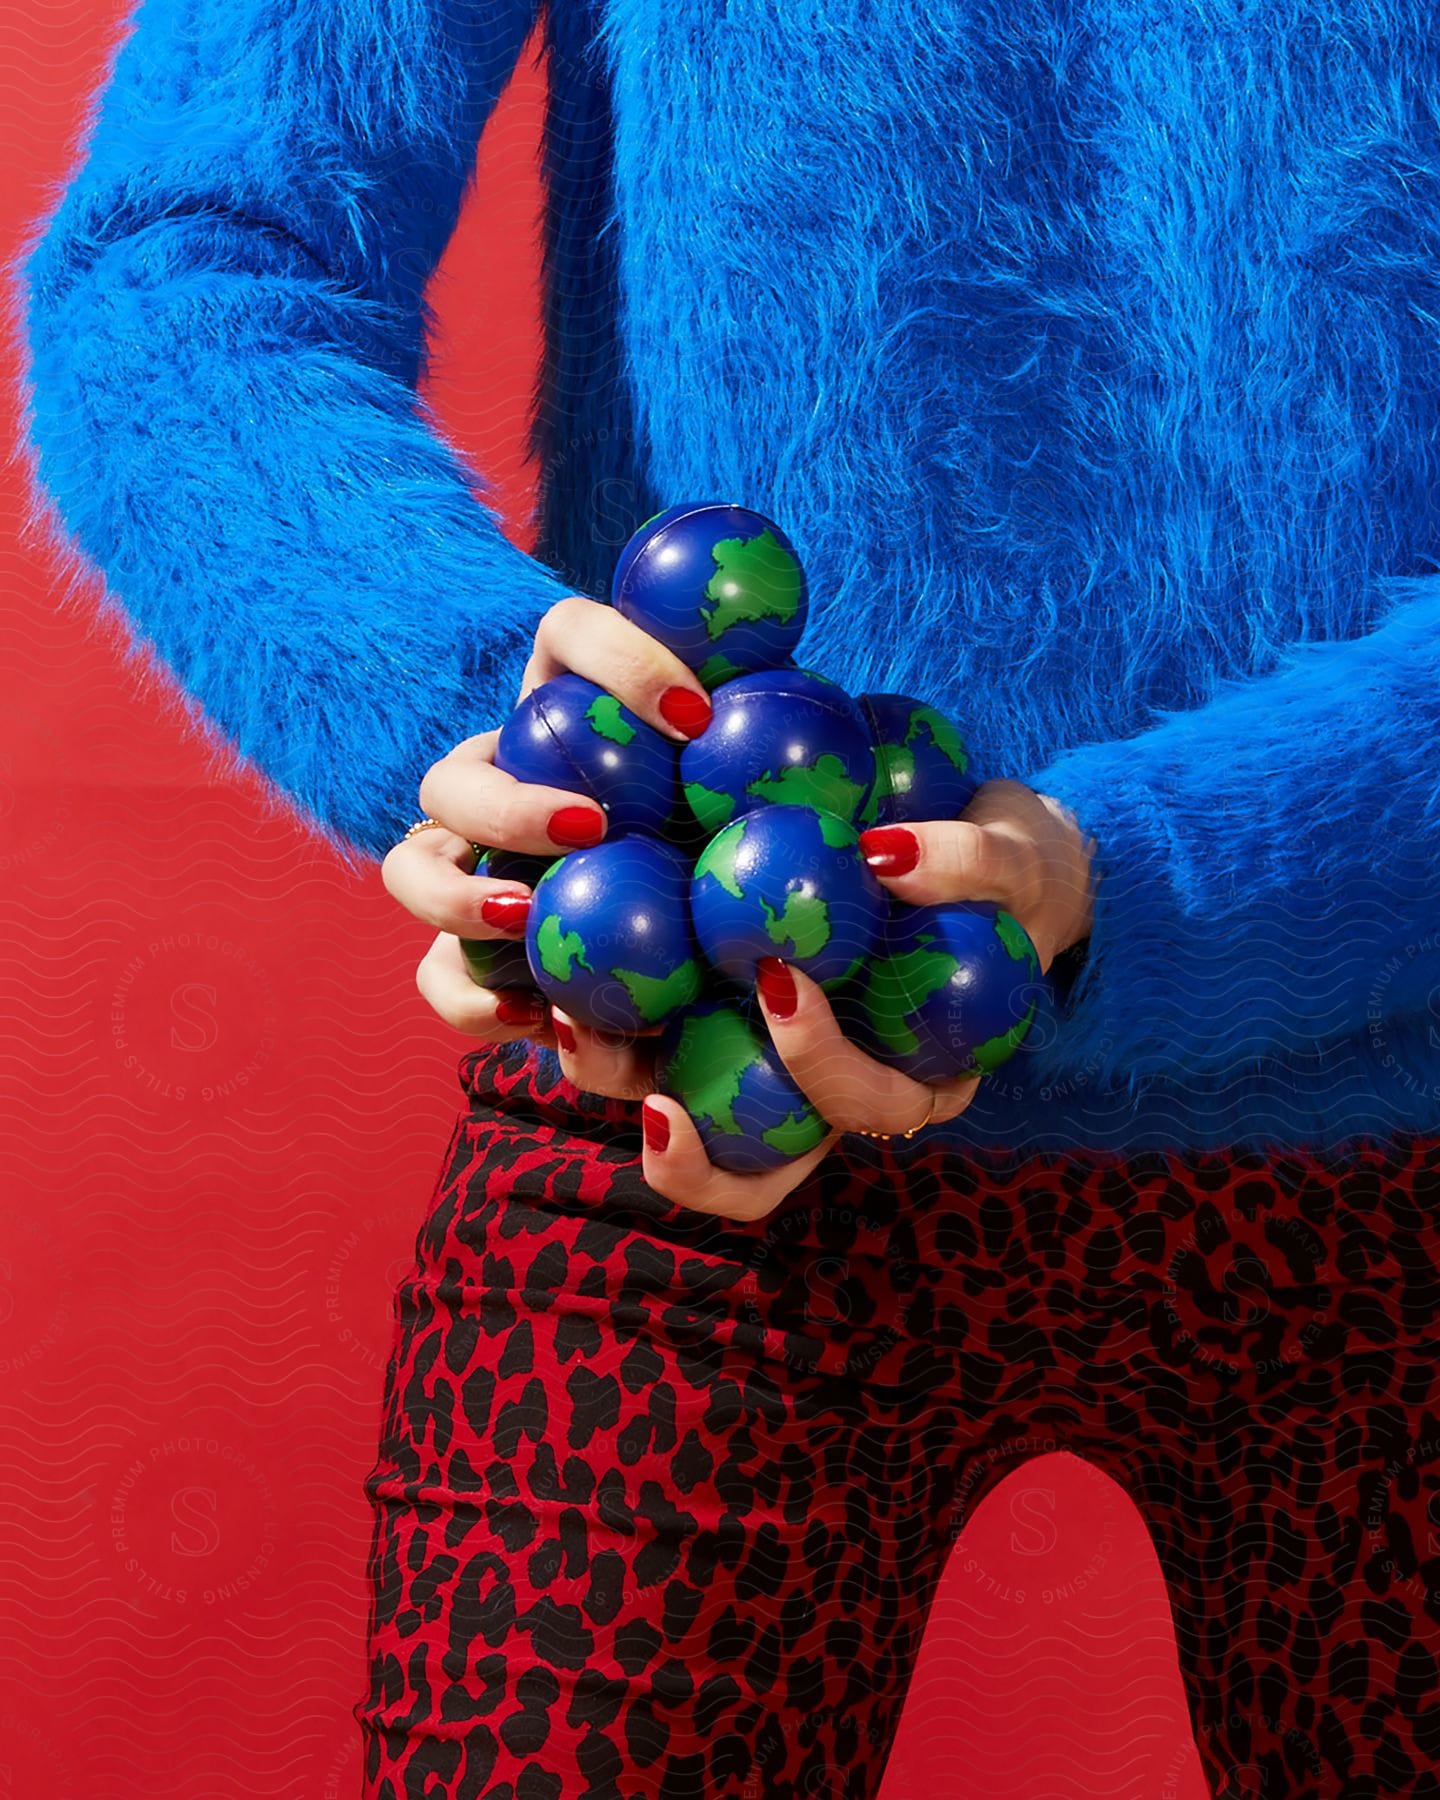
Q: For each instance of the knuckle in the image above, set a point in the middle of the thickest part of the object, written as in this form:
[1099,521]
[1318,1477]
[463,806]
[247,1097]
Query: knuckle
[431,783]
[974,850]
[847,1113]
[561,617]
[390,870]
[642,663]
[505,818]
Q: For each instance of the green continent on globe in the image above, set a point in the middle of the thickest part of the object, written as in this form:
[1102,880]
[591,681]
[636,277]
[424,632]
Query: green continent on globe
[711,809]
[894,774]
[755,578]
[718,859]
[1013,935]
[804,922]
[843,980]
[560,950]
[837,833]
[715,669]
[796,1133]
[823,784]
[988,1056]
[709,1064]
[898,985]
[607,717]
[943,735]
[655,997]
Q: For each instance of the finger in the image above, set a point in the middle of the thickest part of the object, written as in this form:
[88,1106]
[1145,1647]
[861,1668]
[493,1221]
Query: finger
[931,864]
[602,1062]
[496,1016]
[678,1169]
[844,1085]
[486,806]
[432,875]
[952,1097]
[602,645]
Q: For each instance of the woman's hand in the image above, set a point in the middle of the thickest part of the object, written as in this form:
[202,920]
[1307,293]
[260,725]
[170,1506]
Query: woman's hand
[1012,846]
[430,874]
[1021,849]
[1015,847]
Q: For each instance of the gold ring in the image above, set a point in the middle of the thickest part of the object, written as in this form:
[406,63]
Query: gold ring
[929,1115]
[437,825]
[884,1136]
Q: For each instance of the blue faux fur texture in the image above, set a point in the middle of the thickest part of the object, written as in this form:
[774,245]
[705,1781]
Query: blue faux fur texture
[1088,351]
[227,326]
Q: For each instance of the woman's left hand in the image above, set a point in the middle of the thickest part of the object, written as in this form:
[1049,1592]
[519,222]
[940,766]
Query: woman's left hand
[1020,849]
[1012,846]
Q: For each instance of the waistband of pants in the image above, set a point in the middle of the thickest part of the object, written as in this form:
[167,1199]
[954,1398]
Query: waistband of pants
[523,1081]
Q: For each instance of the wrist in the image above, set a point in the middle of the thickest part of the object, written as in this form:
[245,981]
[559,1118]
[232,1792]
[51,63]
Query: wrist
[1068,913]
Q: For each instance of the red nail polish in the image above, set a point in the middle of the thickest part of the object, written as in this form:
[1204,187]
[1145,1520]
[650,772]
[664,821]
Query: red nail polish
[519,1009]
[576,827]
[890,849]
[656,1127]
[686,710]
[564,1035]
[506,912]
[777,987]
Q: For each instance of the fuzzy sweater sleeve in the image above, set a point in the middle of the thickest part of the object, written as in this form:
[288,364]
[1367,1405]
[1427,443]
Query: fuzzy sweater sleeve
[1269,863]
[225,323]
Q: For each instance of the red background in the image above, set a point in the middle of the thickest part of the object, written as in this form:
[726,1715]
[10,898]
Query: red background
[222,1106]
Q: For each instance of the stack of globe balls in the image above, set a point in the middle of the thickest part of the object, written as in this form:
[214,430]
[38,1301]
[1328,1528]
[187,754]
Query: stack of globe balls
[744,844]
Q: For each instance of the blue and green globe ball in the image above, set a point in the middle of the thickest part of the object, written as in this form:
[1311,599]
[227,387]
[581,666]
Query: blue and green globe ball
[786,881]
[638,932]
[719,585]
[501,962]
[787,737]
[717,1060]
[567,733]
[949,990]
[608,937]
[922,767]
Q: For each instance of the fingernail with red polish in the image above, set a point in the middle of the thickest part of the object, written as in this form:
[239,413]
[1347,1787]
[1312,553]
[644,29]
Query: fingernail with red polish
[686,710]
[777,987]
[506,912]
[576,827]
[519,1009]
[656,1127]
[890,849]
[564,1034]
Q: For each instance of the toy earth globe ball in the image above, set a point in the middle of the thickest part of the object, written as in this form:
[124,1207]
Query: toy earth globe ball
[784,738]
[608,937]
[497,962]
[502,962]
[719,585]
[568,733]
[922,768]
[786,881]
[512,865]
[948,990]
[717,1060]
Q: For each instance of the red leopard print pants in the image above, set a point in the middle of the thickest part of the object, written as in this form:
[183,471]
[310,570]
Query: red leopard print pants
[662,1500]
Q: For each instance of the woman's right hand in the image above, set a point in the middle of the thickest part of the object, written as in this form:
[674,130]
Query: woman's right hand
[430,874]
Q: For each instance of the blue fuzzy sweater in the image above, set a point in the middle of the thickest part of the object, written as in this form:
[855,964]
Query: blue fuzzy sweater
[1088,349]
